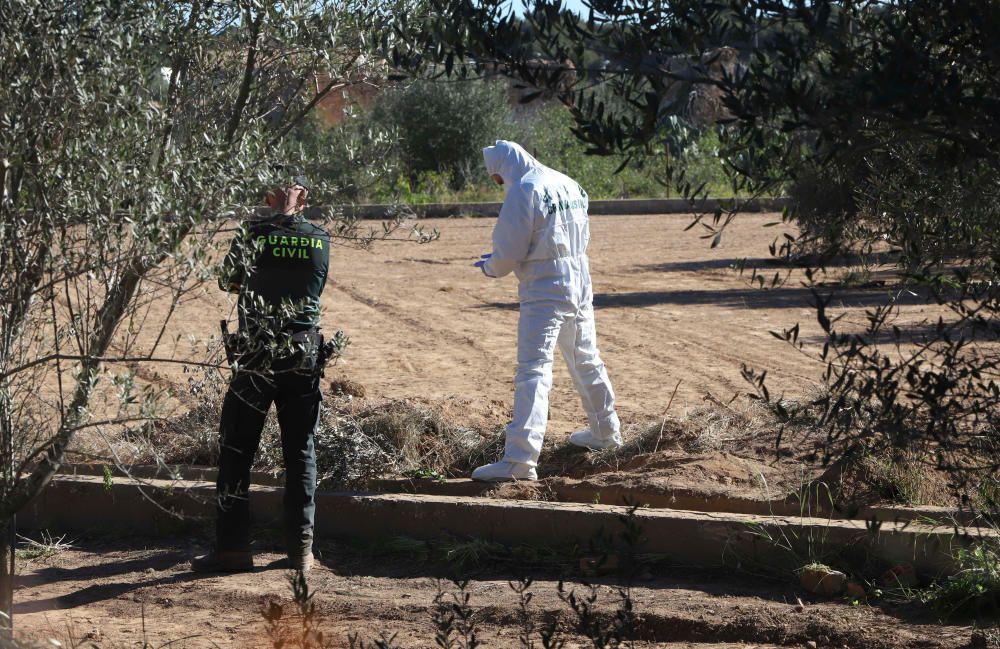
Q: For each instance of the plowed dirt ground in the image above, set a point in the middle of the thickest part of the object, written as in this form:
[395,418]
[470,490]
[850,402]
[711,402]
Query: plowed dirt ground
[672,313]
[426,326]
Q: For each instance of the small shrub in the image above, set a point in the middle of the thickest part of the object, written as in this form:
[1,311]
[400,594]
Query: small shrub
[191,438]
[897,478]
[975,589]
[346,162]
[442,126]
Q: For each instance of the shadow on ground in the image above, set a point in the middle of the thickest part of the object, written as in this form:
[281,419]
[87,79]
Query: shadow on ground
[165,563]
[747,298]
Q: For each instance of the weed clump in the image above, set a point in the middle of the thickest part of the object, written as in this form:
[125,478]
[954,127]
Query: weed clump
[973,591]
[357,446]
[356,441]
[711,428]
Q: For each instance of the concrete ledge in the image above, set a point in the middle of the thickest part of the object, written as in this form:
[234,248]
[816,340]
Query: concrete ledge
[569,490]
[583,491]
[602,207]
[686,537]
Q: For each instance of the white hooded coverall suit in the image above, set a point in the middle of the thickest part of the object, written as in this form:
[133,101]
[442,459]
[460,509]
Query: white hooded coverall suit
[541,236]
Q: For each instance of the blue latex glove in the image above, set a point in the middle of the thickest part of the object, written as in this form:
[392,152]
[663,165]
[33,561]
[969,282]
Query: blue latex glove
[481,264]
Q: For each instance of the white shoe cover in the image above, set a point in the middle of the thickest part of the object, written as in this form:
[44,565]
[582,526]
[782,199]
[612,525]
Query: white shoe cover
[504,471]
[586,439]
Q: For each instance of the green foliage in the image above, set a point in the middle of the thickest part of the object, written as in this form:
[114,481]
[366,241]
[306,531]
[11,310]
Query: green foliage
[882,116]
[975,589]
[348,161]
[443,125]
[602,631]
[804,544]
[453,615]
[454,619]
[422,143]
[300,629]
[884,119]
[897,478]
[548,136]
[434,187]
[130,133]
[825,209]
[703,164]
[936,215]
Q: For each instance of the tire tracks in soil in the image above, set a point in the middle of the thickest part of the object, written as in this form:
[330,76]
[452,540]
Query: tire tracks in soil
[416,325]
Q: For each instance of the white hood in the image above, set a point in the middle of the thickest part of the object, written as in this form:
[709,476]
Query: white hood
[510,161]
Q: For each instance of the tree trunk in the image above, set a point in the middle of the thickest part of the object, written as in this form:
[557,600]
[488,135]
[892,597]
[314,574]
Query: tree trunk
[7,546]
[8,525]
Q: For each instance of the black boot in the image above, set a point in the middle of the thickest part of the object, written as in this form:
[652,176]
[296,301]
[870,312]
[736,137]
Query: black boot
[223,561]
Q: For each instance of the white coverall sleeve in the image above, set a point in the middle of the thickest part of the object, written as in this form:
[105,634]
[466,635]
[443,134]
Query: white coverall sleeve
[511,234]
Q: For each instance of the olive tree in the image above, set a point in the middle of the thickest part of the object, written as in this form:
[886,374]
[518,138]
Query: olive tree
[130,135]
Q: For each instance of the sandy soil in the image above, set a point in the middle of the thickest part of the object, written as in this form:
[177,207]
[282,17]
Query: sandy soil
[139,592]
[676,323]
[428,327]
[671,314]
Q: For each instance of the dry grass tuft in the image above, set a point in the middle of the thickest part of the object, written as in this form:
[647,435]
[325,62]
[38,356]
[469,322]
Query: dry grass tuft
[522,491]
[722,427]
[903,478]
[347,388]
[359,441]
[356,441]
[356,445]
[712,428]
[192,438]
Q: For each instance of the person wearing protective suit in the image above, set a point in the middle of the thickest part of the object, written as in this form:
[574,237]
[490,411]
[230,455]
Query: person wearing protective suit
[278,266]
[541,236]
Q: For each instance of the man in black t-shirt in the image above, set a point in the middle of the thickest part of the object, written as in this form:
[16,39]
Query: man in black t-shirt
[278,267]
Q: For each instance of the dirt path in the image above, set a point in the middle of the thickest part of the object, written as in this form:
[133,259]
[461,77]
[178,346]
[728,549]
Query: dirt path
[130,592]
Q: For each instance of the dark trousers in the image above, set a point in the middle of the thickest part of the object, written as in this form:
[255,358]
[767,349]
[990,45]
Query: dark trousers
[297,399]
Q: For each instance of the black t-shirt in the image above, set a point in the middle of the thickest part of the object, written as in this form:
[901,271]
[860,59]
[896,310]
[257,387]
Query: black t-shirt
[279,268]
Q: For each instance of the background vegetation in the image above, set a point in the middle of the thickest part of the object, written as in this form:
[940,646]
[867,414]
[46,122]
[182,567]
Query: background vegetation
[422,142]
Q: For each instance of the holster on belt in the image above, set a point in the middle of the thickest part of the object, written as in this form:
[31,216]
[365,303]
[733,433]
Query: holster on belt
[309,351]
[229,343]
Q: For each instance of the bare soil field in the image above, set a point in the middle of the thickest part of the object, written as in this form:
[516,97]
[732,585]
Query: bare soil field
[425,324]
[675,324]
[672,313]
[139,593]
